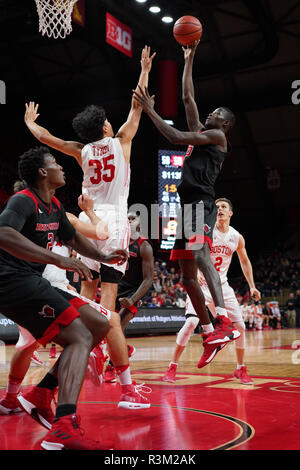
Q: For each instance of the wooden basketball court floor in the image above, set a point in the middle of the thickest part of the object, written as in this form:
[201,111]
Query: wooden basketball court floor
[206,409]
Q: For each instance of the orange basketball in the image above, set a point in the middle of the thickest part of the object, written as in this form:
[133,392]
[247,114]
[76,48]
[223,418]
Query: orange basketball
[187,29]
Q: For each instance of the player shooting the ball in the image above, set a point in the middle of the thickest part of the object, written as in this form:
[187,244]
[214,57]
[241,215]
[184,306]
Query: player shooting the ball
[200,170]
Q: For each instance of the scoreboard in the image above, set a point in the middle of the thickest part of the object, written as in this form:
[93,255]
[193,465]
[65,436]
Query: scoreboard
[169,175]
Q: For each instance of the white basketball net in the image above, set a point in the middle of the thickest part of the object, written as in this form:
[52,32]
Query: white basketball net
[55,17]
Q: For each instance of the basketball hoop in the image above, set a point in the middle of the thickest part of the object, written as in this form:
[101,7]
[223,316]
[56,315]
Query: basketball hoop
[55,17]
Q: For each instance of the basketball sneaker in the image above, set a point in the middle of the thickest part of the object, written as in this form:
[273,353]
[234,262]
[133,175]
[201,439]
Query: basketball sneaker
[170,375]
[224,332]
[243,376]
[35,359]
[37,402]
[52,352]
[9,404]
[110,374]
[131,350]
[132,399]
[209,351]
[66,434]
[95,366]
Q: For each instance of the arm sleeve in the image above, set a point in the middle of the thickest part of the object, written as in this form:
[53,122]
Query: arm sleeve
[66,230]
[19,208]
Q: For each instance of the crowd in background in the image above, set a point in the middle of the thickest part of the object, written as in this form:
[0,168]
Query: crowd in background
[274,273]
[167,291]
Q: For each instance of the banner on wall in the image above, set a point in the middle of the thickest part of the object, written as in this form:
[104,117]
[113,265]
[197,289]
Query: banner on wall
[9,331]
[118,35]
[153,321]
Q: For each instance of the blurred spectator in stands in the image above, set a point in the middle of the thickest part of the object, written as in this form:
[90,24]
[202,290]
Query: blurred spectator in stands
[163,269]
[161,299]
[297,305]
[294,285]
[274,314]
[179,288]
[180,302]
[153,303]
[167,281]
[291,310]
[265,317]
[156,285]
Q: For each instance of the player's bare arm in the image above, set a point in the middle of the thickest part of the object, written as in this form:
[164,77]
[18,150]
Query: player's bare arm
[45,137]
[128,130]
[95,232]
[86,204]
[148,268]
[17,245]
[247,268]
[97,229]
[188,94]
[86,248]
[175,136]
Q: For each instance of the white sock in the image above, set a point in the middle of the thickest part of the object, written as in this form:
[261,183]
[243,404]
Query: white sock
[208,328]
[124,376]
[221,311]
[238,366]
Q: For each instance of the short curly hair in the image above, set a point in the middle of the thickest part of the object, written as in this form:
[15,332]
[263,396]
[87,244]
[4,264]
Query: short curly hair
[19,185]
[30,162]
[88,124]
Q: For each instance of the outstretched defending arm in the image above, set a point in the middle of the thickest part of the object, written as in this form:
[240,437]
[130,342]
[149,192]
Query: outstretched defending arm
[128,130]
[43,135]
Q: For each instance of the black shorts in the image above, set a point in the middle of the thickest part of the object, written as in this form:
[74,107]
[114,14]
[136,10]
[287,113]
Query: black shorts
[31,302]
[107,274]
[195,228]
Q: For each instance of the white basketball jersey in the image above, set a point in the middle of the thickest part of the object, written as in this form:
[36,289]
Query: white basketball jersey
[106,174]
[223,247]
[53,273]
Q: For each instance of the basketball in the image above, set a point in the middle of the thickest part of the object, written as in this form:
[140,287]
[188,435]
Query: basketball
[187,29]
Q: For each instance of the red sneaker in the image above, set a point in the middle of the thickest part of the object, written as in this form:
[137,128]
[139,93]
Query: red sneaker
[243,376]
[170,375]
[131,397]
[131,350]
[35,359]
[110,374]
[66,434]
[224,332]
[100,359]
[210,350]
[95,366]
[9,404]
[37,402]
[52,352]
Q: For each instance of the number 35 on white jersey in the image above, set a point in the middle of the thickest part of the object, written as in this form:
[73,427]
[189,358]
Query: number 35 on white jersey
[106,174]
